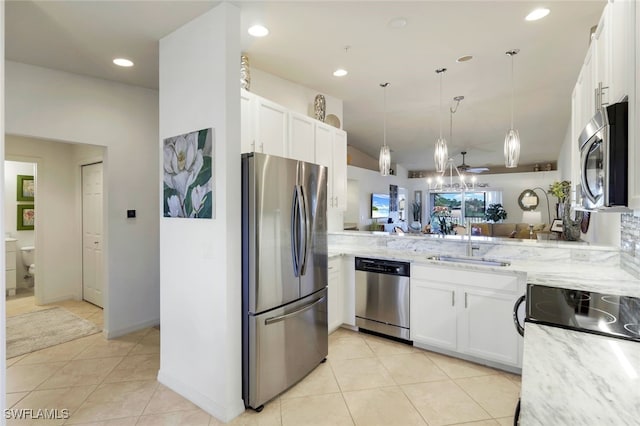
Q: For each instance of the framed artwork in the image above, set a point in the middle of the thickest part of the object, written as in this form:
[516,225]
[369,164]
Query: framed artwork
[556,225]
[26,189]
[26,217]
[188,175]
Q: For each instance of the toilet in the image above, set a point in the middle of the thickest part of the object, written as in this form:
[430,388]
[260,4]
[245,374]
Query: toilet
[29,259]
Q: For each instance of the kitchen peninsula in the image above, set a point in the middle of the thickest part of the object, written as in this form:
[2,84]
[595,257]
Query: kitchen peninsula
[466,310]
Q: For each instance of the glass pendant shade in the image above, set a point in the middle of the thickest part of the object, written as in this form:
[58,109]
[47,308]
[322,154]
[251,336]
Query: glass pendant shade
[441,155]
[511,148]
[384,161]
[512,139]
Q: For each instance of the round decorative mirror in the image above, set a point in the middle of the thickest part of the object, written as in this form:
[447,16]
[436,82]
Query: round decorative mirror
[528,200]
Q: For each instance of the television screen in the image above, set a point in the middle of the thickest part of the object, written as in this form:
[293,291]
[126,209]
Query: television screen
[379,205]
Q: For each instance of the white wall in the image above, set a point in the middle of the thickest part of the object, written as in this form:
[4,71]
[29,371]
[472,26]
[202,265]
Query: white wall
[565,158]
[60,106]
[292,95]
[361,184]
[200,264]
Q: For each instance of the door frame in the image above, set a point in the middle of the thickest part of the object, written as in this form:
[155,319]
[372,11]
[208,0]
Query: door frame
[38,291]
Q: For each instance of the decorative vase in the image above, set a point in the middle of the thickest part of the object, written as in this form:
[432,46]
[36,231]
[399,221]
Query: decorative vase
[415,226]
[559,210]
[570,227]
[320,107]
[245,74]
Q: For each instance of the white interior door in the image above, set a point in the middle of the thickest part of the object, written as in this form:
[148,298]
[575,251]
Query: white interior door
[92,264]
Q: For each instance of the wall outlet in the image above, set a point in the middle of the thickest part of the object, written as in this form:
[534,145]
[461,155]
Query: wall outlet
[582,255]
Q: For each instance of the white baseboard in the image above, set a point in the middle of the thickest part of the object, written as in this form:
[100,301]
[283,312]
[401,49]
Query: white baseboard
[223,413]
[112,334]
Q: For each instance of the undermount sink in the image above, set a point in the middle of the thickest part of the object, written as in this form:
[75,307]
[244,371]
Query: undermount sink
[470,260]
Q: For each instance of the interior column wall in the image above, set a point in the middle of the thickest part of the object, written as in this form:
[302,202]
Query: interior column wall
[200,354]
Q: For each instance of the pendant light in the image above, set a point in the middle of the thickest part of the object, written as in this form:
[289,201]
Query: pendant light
[441,153]
[384,161]
[512,139]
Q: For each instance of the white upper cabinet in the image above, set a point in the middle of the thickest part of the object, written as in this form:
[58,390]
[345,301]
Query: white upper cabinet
[247,134]
[271,127]
[331,151]
[301,137]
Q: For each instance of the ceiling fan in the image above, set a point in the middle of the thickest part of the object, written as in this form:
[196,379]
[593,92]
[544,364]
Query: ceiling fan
[468,169]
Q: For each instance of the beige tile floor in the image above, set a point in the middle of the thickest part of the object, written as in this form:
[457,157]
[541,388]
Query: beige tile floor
[366,381]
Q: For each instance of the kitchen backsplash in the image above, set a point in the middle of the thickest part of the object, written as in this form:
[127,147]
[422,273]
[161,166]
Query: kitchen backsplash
[630,243]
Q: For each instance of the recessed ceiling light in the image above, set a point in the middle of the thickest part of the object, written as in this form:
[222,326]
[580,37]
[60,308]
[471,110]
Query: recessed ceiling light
[397,23]
[537,14]
[258,31]
[122,62]
[464,58]
[340,72]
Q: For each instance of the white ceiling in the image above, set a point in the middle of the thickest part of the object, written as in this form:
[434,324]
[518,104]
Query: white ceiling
[307,43]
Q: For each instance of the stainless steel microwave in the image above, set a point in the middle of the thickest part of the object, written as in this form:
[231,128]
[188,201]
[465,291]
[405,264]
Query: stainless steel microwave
[603,159]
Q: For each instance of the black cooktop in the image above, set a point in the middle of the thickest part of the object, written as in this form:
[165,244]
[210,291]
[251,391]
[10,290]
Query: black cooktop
[598,313]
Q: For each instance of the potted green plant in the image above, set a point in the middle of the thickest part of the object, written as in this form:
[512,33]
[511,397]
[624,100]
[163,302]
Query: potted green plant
[560,190]
[495,213]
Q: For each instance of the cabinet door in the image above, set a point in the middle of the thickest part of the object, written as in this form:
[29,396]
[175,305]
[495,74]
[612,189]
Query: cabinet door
[603,55]
[271,127]
[622,49]
[486,327]
[335,294]
[301,138]
[340,170]
[324,156]
[433,314]
[247,121]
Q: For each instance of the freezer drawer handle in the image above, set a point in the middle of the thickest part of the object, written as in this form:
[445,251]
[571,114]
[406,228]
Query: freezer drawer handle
[272,320]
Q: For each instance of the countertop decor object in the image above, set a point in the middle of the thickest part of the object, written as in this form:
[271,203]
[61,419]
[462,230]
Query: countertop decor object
[320,107]
[245,73]
[332,120]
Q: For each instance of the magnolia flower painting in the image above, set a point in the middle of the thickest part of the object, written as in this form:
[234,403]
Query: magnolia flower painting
[188,175]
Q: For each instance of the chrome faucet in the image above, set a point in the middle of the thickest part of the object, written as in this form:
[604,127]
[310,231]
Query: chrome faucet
[470,246]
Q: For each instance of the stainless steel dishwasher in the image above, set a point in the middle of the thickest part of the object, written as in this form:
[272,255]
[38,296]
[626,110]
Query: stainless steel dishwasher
[382,297]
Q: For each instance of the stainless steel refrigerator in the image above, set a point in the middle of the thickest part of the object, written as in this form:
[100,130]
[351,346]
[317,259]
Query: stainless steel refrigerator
[284,273]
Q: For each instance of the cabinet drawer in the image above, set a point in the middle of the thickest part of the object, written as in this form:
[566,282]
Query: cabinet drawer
[10,260]
[489,280]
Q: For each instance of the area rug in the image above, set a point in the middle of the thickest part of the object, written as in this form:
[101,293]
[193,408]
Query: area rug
[40,329]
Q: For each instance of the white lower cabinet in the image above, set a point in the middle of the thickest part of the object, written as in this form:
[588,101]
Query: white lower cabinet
[335,302]
[466,312]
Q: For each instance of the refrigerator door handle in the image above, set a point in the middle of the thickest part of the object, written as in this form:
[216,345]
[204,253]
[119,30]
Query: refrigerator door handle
[279,318]
[305,232]
[295,240]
